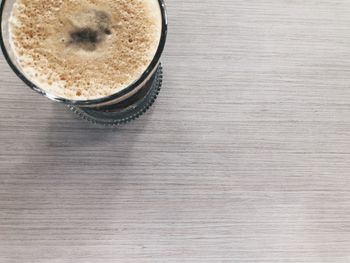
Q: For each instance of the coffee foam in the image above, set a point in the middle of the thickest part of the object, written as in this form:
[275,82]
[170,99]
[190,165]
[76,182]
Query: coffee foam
[86,49]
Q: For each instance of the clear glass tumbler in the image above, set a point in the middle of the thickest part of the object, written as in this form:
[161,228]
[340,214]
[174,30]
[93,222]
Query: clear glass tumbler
[119,108]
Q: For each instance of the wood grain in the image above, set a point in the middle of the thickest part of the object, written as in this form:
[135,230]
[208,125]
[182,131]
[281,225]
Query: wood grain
[244,158]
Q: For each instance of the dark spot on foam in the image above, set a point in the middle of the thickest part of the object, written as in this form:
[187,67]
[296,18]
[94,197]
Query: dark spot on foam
[85,36]
[93,33]
[103,21]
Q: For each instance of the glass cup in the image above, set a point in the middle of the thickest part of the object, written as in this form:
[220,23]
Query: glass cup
[118,108]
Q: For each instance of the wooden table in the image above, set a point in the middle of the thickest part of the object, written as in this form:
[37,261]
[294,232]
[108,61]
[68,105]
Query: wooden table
[245,157]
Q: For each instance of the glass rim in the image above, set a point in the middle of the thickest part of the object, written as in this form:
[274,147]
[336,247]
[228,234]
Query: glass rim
[144,76]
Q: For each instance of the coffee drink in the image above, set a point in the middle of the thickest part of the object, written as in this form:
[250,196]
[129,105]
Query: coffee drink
[84,49]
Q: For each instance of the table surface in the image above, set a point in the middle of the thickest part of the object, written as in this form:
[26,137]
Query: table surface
[245,157]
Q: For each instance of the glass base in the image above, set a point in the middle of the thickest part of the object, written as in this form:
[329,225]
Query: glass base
[126,111]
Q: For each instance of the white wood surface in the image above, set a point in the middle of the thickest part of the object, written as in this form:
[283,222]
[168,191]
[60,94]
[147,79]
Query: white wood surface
[245,157]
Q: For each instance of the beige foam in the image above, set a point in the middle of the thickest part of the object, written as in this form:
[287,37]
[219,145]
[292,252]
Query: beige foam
[85,49]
